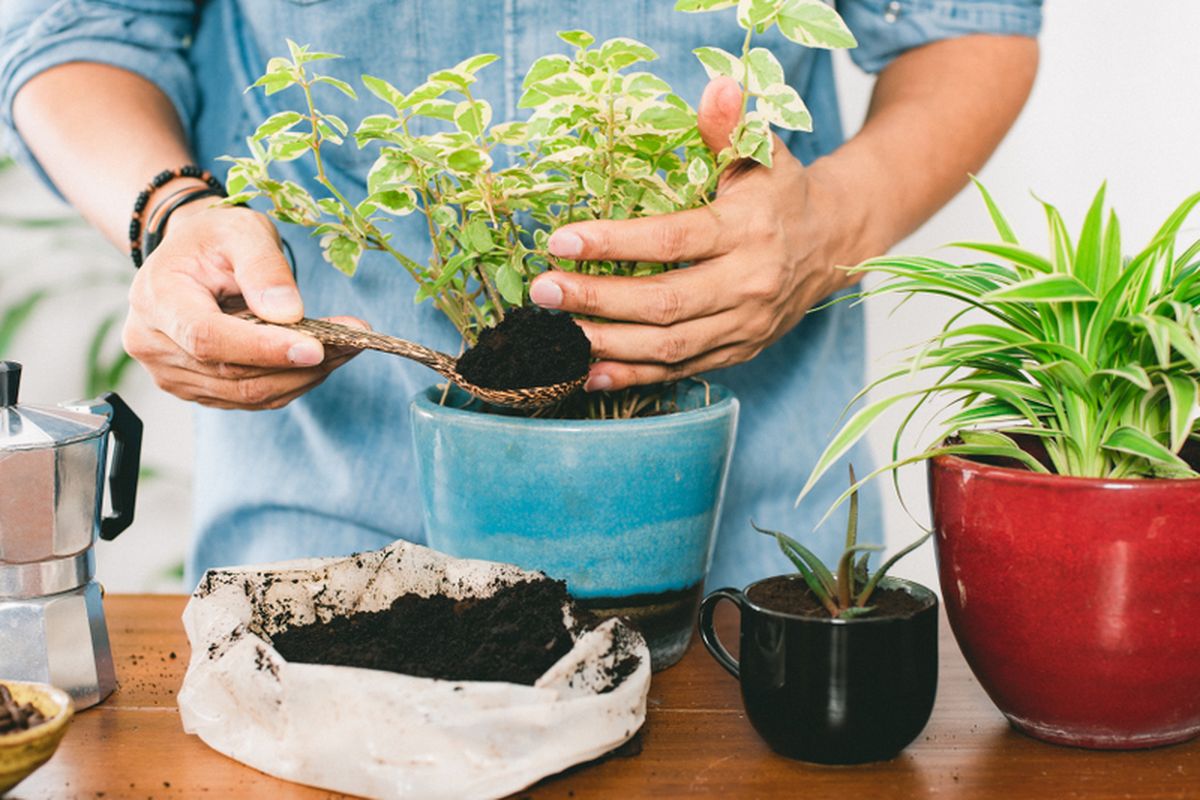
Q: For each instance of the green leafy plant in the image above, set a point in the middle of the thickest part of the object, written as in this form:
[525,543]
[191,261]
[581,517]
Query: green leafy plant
[845,590]
[1091,354]
[603,140]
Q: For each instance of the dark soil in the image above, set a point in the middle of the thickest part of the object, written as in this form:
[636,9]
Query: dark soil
[15,717]
[513,636]
[531,347]
[790,595]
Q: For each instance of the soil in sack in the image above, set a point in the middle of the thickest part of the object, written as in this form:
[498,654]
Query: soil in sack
[515,635]
[531,347]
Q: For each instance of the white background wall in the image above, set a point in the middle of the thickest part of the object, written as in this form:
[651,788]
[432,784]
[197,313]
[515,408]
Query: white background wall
[1115,100]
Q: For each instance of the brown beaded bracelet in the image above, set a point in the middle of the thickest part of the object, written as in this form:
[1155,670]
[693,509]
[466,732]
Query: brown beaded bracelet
[157,182]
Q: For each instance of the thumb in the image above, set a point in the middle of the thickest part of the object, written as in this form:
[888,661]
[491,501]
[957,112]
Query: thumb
[264,278]
[720,111]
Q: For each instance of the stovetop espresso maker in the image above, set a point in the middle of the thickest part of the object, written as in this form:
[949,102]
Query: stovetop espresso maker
[52,466]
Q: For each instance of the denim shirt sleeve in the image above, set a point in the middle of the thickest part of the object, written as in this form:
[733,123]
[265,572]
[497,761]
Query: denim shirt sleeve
[886,28]
[146,37]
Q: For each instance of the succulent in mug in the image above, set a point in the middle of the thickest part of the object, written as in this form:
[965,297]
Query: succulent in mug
[1089,353]
[846,590]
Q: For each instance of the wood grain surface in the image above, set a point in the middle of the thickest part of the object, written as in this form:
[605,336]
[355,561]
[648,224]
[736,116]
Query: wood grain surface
[696,743]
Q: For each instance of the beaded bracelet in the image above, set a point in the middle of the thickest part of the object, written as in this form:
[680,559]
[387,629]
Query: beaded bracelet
[154,235]
[157,182]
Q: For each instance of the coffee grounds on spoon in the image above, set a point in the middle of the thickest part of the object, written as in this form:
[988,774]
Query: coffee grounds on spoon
[531,347]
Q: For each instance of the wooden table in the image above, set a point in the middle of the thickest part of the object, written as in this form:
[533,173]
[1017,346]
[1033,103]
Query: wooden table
[696,742]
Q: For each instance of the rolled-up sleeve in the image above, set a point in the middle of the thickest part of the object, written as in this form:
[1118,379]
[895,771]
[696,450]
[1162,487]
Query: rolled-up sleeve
[887,28]
[146,37]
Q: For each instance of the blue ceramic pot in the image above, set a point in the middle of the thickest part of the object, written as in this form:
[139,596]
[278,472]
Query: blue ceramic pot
[625,511]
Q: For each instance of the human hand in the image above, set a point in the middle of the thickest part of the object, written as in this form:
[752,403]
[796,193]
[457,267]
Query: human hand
[214,260]
[763,252]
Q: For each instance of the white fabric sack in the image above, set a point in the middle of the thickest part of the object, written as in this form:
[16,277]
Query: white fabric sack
[383,734]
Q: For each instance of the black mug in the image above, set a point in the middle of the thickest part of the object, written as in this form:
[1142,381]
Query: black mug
[832,691]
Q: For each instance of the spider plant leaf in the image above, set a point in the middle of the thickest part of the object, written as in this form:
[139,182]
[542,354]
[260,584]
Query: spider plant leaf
[1045,288]
[14,316]
[1133,373]
[1127,439]
[1184,393]
[1087,266]
[1111,258]
[1016,255]
[854,429]
[1060,239]
[998,220]
[1062,373]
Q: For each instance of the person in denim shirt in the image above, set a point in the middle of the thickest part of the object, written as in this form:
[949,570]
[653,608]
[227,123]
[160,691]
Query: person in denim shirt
[100,95]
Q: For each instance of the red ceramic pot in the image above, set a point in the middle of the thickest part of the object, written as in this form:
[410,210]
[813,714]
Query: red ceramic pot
[1076,601]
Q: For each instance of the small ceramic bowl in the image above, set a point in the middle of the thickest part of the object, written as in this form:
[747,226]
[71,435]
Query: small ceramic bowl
[23,752]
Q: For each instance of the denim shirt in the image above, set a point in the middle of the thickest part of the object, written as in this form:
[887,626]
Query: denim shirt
[334,471]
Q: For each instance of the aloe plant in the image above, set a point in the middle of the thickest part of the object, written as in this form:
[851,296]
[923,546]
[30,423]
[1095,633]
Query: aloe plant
[1093,353]
[846,590]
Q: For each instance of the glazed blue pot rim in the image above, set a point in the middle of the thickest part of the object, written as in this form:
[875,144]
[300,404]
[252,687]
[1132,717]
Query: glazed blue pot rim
[921,592]
[692,416]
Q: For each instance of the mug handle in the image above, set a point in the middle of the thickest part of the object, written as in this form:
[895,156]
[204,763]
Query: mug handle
[709,634]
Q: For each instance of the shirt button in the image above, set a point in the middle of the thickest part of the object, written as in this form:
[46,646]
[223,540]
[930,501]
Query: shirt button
[892,12]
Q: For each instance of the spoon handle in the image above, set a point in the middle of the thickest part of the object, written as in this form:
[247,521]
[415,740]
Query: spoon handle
[332,333]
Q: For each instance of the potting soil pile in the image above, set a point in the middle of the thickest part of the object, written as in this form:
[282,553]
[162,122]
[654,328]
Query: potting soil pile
[506,693]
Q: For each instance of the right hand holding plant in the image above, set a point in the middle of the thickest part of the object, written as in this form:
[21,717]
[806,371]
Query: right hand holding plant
[214,260]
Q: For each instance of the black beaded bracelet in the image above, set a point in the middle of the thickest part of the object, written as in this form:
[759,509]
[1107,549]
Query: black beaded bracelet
[154,235]
[136,225]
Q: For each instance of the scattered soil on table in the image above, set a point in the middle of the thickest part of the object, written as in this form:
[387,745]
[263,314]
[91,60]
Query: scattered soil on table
[790,595]
[531,347]
[16,717]
[513,636]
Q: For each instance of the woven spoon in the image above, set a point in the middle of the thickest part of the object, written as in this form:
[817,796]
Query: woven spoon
[332,333]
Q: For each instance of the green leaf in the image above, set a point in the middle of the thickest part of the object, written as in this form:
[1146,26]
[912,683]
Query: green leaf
[813,23]
[1046,288]
[1016,255]
[698,172]
[619,53]
[475,63]
[341,86]
[473,117]
[344,253]
[545,67]
[758,14]
[784,108]
[274,82]
[765,71]
[384,91]
[581,39]
[595,184]
[720,63]
[1127,439]
[667,118]
[816,574]
[479,235]
[468,160]
[700,6]
[397,202]
[1184,394]
[510,284]
[276,123]
[1002,227]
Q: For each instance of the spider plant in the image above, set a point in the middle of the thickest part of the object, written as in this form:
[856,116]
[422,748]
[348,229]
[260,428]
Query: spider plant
[845,590]
[1094,354]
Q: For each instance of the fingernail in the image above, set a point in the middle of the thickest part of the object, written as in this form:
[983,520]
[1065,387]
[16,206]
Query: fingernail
[598,383]
[565,244]
[546,293]
[281,301]
[306,354]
